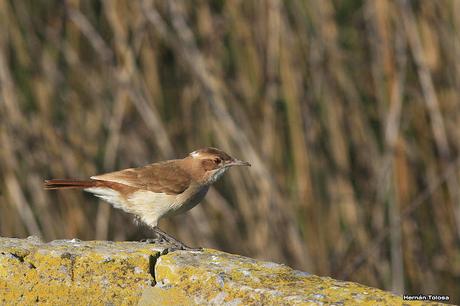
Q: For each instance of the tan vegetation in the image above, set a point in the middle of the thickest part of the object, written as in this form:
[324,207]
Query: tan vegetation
[348,111]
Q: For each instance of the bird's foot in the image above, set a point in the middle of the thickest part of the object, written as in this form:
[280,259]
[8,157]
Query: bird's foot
[176,244]
[181,248]
[153,240]
[187,248]
[174,247]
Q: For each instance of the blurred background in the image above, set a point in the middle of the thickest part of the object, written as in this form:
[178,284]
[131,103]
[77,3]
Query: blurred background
[348,110]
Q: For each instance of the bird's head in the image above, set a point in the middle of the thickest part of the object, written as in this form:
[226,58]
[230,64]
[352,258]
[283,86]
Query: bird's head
[214,163]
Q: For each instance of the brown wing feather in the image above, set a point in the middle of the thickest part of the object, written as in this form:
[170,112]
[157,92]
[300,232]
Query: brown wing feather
[165,177]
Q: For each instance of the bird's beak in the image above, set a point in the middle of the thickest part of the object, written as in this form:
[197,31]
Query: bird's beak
[237,162]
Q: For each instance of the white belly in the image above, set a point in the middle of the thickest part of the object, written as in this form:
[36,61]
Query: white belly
[151,206]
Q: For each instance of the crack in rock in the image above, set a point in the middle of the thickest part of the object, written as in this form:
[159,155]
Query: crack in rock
[153,259]
[72,258]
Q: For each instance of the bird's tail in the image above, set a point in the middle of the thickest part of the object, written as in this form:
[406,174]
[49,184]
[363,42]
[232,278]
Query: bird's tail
[69,183]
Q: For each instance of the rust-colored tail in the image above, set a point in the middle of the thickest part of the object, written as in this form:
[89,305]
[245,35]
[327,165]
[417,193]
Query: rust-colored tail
[68,183]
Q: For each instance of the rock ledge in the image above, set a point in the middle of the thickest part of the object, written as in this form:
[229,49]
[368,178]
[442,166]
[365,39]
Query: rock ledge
[100,272]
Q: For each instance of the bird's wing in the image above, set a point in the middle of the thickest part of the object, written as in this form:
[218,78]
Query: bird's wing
[163,177]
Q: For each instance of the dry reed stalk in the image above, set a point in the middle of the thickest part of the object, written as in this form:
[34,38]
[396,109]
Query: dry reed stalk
[432,102]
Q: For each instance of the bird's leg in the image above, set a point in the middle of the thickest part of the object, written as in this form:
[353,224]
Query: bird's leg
[176,243]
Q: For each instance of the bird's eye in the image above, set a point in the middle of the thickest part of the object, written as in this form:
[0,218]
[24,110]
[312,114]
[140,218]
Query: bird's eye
[217,161]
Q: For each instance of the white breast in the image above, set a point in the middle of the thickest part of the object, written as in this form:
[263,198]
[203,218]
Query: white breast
[150,206]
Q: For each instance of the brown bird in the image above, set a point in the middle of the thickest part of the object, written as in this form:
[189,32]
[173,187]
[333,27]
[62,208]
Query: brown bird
[160,189]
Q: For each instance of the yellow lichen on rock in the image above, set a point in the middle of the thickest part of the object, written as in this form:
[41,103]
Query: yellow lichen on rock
[74,272]
[219,278]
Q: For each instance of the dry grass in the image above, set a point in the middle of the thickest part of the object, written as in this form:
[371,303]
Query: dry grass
[348,111]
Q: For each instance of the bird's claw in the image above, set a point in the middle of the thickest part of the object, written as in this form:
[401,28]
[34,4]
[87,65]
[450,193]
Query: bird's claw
[153,240]
[174,247]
